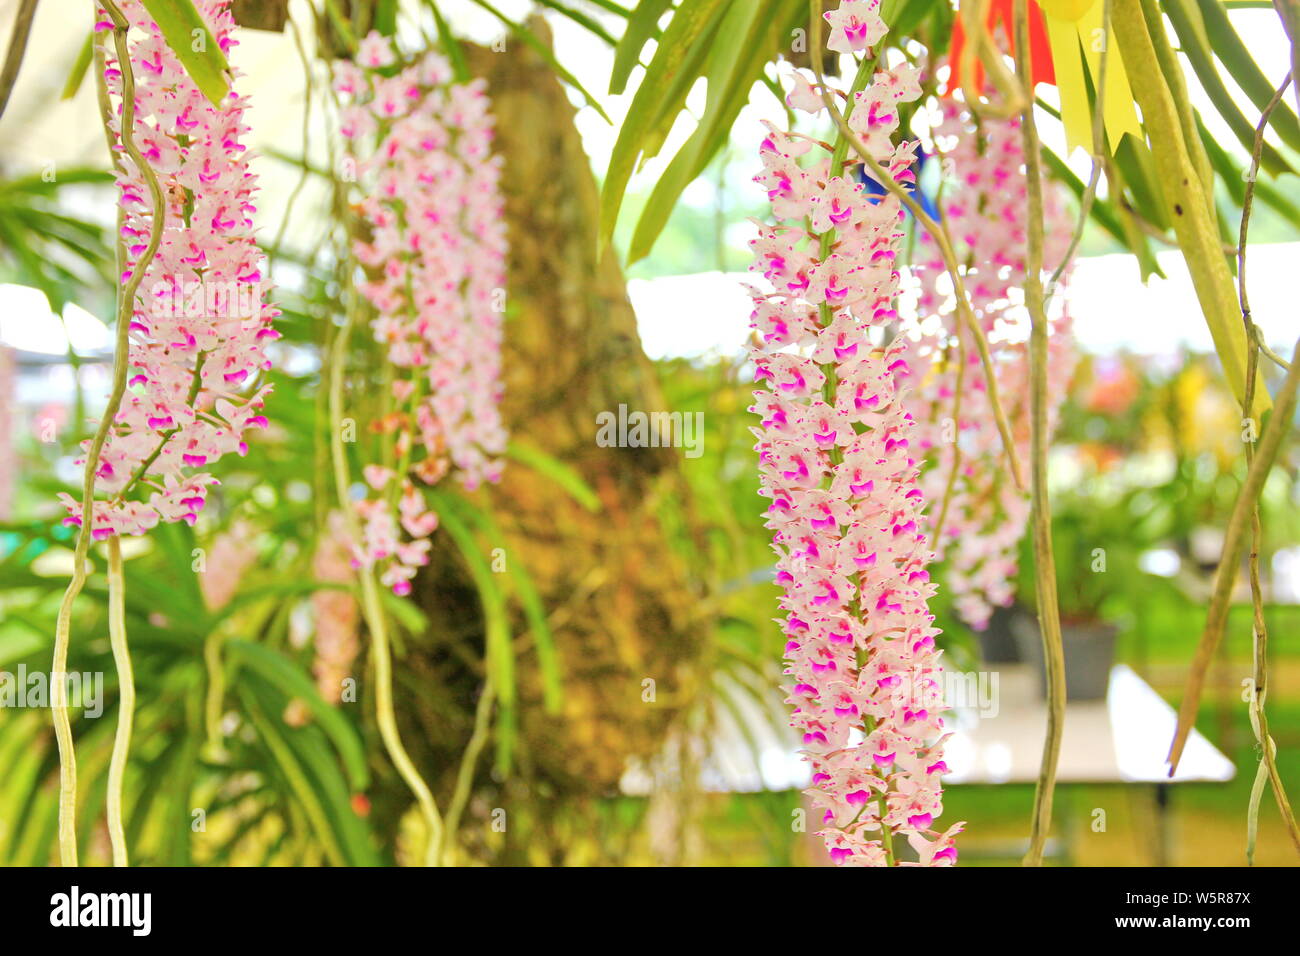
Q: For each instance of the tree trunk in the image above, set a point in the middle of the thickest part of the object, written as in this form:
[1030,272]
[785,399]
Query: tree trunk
[618,595]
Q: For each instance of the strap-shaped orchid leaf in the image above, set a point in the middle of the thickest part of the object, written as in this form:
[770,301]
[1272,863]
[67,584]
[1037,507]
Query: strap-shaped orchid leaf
[193,43]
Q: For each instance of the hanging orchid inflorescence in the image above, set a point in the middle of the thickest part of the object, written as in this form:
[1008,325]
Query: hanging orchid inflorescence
[840,471]
[337,636]
[986,210]
[433,248]
[200,322]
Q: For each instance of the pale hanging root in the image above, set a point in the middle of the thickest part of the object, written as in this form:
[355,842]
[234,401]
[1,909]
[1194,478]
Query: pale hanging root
[126,699]
[125,308]
[59,707]
[374,612]
[465,776]
[1267,770]
[1049,615]
[387,718]
[371,609]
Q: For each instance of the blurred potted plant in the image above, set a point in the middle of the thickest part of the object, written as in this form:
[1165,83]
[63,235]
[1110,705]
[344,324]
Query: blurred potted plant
[1097,538]
[998,641]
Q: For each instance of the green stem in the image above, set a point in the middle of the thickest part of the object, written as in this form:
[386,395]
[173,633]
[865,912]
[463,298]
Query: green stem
[126,698]
[465,776]
[886,832]
[196,385]
[1049,616]
[1183,195]
[17,47]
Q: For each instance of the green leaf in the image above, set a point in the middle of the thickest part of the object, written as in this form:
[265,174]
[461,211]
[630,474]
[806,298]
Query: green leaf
[662,93]
[295,775]
[500,650]
[1137,167]
[17,645]
[80,66]
[1233,177]
[279,671]
[1233,54]
[614,8]
[450,45]
[385,22]
[530,600]
[341,24]
[744,43]
[412,619]
[1196,46]
[34,183]
[562,473]
[641,26]
[184,29]
[904,16]
[282,591]
[1104,214]
[580,18]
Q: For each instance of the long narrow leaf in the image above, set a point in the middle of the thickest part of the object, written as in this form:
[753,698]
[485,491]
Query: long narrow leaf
[1235,56]
[500,650]
[676,61]
[192,42]
[580,18]
[641,26]
[277,670]
[80,66]
[1186,18]
[529,599]
[745,42]
[562,473]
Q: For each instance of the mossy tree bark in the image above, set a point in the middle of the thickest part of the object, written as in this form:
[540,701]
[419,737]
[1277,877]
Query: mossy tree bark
[617,591]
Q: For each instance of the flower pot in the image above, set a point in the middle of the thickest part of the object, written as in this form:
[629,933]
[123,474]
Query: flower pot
[998,642]
[1089,654]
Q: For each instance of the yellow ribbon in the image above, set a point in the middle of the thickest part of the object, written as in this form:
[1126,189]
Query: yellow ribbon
[1077,36]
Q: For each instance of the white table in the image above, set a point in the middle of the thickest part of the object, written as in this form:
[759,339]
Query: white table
[1122,739]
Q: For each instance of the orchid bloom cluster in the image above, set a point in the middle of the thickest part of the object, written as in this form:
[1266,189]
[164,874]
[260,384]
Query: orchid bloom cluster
[435,258]
[200,321]
[337,633]
[840,474]
[985,208]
